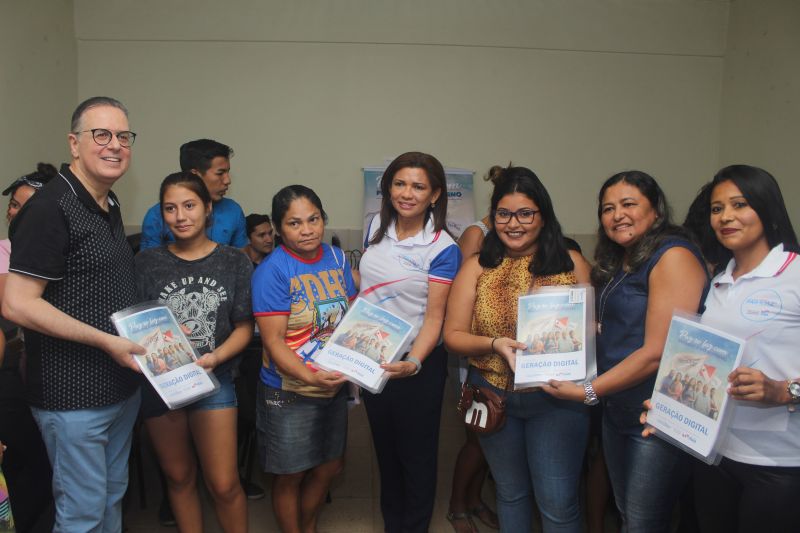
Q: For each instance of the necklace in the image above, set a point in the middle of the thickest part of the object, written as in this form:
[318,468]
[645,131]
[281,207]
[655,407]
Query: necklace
[607,293]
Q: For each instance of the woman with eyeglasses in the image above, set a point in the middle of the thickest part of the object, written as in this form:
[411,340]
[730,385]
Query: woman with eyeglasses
[646,268]
[539,451]
[407,268]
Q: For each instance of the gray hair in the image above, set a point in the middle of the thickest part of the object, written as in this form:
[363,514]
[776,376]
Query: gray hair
[94,101]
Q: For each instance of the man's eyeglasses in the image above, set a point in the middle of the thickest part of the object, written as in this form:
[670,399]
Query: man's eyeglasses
[103,136]
[524,216]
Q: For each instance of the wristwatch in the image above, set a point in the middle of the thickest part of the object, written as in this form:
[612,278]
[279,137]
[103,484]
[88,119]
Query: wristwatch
[591,395]
[793,388]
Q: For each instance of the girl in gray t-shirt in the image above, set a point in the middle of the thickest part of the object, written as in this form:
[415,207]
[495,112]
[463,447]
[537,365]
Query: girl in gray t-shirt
[207,286]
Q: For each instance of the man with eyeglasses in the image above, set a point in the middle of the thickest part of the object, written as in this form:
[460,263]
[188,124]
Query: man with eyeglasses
[71,268]
[211,160]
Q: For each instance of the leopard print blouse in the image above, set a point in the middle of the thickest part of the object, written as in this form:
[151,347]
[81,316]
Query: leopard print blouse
[495,312]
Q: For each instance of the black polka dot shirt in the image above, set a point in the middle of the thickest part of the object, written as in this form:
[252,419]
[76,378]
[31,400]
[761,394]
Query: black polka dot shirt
[61,235]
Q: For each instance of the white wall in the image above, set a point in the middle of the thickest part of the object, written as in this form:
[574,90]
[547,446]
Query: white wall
[761,92]
[310,91]
[38,85]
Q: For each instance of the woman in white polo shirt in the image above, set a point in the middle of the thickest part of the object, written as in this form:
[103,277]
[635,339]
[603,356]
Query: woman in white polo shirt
[757,296]
[407,268]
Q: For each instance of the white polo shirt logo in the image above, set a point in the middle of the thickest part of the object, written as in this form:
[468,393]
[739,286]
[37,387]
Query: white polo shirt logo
[413,262]
[762,305]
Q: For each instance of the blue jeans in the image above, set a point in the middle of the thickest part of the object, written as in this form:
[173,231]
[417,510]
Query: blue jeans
[647,474]
[539,451]
[88,449]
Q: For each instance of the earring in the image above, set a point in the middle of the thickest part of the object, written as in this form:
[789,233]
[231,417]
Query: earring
[433,205]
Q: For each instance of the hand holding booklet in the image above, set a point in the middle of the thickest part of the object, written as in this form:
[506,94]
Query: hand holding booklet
[553,323]
[690,402]
[367,337]
[170,362]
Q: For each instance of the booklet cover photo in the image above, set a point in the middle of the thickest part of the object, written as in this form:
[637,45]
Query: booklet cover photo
[690,399]
[367,337]
[169,364]
[552,324]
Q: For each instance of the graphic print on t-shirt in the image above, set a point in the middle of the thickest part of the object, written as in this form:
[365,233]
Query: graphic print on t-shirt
[312,295]
[327,315]
[195,302]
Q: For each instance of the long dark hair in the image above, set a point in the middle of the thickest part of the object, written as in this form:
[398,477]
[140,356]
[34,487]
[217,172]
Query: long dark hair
[609,255]
[552,256]
[436,176]
[697,224]
[762,192]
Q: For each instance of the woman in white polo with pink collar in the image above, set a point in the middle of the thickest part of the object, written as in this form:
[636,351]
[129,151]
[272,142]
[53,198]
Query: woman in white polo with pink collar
[757,297]
[407,268]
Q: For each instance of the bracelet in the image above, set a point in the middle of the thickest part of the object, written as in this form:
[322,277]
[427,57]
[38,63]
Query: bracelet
[494,339]
[415,362]
[590,396]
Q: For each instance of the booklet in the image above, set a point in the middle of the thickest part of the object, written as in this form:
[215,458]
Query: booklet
[554,323]
[367,337]
[689,401]
[169,364]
